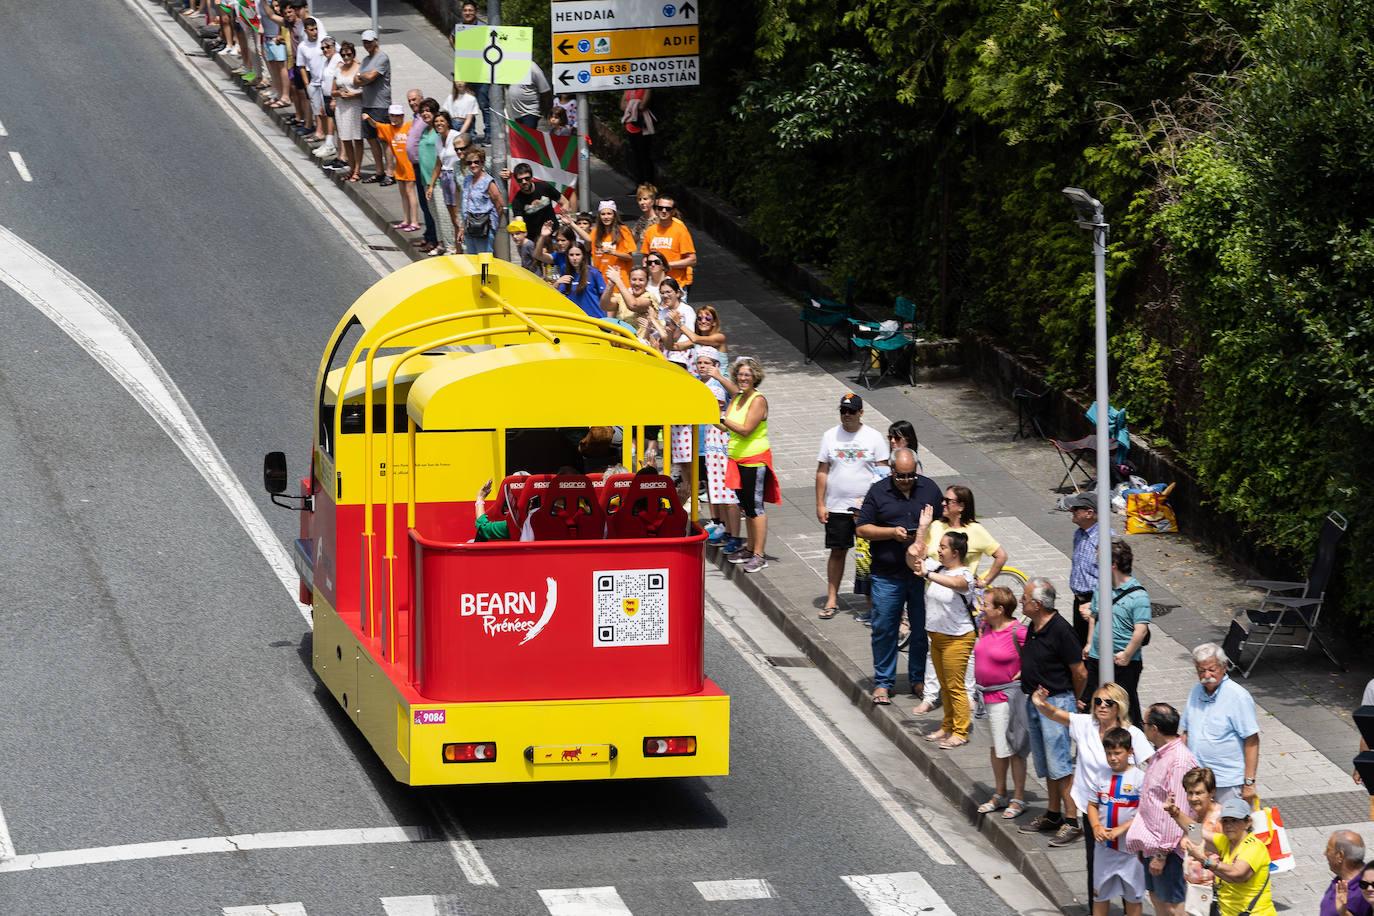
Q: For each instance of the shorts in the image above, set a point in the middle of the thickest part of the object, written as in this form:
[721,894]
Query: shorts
[715,444]
[316,94]
[275,52]
[999,717]
[750,492]
[449,187]
[1170,886]
[376,114]
[1051,745]
[839,530]
[863,567]
[297,75]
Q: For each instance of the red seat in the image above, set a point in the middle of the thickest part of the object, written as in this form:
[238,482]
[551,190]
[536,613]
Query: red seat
[648,508]
[568,509]
[508,506]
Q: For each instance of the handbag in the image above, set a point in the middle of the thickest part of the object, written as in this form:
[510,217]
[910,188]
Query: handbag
[477,227]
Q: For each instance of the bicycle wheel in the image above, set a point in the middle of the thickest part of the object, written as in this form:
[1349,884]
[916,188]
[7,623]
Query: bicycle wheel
[1012,578]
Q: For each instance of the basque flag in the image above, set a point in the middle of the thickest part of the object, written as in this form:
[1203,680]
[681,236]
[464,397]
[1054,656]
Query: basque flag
[554,159]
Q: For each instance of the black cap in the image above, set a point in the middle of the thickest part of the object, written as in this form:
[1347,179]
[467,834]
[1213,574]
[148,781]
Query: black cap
[851,401]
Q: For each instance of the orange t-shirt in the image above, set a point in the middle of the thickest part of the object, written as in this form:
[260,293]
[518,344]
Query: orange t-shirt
[602,259]
[396,136]
[673,243]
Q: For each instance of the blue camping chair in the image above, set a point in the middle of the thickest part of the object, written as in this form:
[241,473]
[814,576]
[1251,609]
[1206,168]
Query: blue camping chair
[889,351]
[829,319]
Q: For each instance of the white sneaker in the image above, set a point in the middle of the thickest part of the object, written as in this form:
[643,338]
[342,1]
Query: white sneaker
[325,150]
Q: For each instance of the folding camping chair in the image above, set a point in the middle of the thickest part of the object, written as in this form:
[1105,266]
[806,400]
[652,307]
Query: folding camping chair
[1294,614]
[886,349]
[829,319]
[1073,453]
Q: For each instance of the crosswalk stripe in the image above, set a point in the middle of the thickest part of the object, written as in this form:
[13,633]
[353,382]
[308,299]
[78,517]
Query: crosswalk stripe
[736,889]
[410,906]
[585,901]
[267,909]
[901,894]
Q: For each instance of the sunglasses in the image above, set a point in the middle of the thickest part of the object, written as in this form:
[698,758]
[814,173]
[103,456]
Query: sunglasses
[1367,885]
[662,209]
[848,411]
[701,318]
[1103,701]
[948,500]
[525,179]
[653,261]
[911,476]
[474,162]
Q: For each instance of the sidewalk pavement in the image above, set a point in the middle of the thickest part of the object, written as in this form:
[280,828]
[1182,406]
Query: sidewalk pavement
[1307,738]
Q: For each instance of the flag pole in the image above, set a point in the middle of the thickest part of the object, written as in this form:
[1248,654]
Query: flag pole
[584,154]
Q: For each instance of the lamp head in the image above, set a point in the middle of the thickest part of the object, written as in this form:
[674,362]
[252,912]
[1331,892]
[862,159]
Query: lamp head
[1088,208]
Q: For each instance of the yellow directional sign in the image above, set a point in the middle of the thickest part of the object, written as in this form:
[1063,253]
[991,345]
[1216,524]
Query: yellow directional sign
[492,53]
[625,44]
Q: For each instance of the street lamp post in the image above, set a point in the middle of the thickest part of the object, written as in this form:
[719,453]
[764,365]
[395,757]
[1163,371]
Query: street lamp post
[1090,216]
[496,111]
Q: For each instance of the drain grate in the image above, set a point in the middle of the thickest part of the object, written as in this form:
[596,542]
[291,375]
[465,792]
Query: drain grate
[789,661]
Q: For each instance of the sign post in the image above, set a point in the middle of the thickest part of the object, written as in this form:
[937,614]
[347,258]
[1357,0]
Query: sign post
[613,45]
[496,55]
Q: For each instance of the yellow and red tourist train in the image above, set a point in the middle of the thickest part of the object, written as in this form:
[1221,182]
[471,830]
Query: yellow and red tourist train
[571,644]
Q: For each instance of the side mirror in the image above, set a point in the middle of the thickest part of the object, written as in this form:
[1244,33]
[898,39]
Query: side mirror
[274,472]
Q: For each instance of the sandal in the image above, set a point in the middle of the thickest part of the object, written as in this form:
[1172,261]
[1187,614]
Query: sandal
[880,697]
[951,743]
[1015,809]
[938,735]
[996,803]
[827,613]
[925,707]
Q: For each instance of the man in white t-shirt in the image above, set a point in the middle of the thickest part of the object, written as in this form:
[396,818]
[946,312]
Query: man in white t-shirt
[848,463]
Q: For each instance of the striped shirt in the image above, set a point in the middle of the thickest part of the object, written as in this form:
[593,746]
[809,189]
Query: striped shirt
[1153,831]
[1083,571]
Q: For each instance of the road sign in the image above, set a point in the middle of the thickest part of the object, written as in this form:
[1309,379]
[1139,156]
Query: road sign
[624,44]
[492,53]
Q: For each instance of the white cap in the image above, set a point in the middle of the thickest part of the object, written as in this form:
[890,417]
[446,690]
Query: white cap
[396,109]
[607,205]
[370,35]
[710,353]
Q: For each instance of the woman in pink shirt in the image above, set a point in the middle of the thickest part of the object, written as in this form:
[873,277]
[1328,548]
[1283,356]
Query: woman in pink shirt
[996,669]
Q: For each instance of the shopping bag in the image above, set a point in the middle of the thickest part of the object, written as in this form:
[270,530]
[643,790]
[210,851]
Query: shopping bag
[1150,513]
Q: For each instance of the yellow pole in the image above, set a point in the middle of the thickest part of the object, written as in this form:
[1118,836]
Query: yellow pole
[627,445]
[695,479]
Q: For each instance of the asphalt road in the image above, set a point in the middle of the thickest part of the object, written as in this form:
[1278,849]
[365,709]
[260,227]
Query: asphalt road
[155,679]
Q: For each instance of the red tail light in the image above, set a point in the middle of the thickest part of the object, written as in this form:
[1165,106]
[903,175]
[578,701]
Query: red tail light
[470,752]
[682,746]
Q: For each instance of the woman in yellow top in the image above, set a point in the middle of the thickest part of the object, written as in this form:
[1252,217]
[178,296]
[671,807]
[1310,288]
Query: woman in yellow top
[1240,862]
[750,472]
[960,515]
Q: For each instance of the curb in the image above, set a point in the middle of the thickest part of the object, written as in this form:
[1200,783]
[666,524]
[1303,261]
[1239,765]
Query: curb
[354,190]
[1032,861]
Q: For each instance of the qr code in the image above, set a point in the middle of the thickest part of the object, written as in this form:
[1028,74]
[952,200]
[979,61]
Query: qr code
[630,607]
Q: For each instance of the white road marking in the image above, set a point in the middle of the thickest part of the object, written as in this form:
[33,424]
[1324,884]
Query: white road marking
[19,166]
[270,909]
[585,901]
[104,334]
[463,850]
[3,132]
[827,736]
[244,842]
[902,894]
[426,905]
[6,842]
[738,889]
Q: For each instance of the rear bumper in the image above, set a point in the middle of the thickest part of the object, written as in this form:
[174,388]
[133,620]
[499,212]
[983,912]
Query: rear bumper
[577,726]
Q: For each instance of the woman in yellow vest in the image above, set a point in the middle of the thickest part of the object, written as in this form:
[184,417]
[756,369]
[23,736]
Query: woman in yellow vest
[750,472]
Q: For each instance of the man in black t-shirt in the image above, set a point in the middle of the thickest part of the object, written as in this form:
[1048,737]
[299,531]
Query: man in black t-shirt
[1052,658]
[889,518]
[535,200]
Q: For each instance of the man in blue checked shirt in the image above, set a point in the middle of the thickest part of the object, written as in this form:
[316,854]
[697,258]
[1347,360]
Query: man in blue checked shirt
[1083,571]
